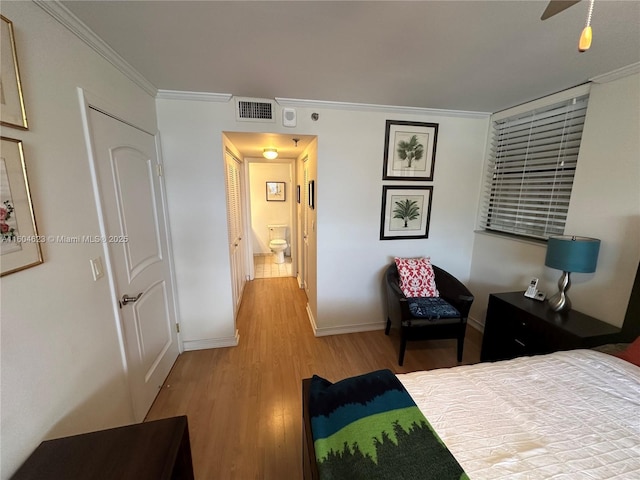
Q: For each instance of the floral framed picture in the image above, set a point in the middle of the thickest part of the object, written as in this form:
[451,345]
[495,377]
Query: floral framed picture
[276,192]
[409,150]
[20,244]
[406,212]
[13,113]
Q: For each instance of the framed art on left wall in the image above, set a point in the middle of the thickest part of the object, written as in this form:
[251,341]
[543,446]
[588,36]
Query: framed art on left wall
[20,244]
[13,113]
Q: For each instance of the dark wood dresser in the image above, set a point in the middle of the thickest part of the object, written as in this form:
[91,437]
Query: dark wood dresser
[155,450]
[518,326]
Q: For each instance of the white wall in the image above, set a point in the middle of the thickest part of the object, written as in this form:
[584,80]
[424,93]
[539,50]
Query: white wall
[350,256]
[265,213]
[193,155]
[605,204]
[62,370]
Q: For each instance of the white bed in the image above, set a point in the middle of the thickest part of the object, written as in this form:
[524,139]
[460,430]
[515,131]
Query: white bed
[568,415]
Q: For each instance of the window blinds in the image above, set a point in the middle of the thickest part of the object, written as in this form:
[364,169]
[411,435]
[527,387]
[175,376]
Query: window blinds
[531,165]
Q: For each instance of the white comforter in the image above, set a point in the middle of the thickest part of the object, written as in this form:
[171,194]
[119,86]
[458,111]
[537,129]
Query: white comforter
[569,415]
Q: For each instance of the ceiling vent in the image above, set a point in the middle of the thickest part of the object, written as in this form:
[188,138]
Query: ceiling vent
[255,110]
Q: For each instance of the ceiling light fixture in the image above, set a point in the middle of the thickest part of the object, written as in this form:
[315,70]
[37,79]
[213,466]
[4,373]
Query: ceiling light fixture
[585,37]
[270,153]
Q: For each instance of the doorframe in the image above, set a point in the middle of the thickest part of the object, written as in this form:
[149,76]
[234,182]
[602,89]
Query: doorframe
[89,101]
[291,162]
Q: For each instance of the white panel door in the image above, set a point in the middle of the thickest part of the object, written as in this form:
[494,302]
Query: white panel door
[130,191]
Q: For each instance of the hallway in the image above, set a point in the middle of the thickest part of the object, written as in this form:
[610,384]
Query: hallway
[244,403]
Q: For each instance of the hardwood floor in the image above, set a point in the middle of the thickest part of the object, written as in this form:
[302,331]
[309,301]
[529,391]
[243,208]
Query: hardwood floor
[244,403]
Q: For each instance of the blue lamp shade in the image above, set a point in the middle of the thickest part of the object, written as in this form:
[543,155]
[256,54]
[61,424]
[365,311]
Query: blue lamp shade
[572,254]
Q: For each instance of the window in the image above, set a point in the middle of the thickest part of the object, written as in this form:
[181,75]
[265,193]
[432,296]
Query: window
[532,161]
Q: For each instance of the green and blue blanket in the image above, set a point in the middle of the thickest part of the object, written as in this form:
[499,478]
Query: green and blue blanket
[369,427]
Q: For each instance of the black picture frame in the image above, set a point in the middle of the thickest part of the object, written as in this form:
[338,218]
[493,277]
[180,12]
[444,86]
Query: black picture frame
[312,194]
[276,192]
[406,212]
[409,150]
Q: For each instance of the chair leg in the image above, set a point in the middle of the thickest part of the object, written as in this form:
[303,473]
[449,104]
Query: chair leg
[388,327]
[403,346]
[460,346]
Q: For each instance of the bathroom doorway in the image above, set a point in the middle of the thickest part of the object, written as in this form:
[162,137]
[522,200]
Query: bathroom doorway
[301,189]
[272,226]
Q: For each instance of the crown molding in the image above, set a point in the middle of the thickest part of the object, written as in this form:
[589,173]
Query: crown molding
[197,96]
[296,102]
[616,74]
[84,33]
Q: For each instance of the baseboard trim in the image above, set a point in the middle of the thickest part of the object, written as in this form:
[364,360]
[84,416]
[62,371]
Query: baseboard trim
[476,324]
[191,345]
[364,327]
[312,320]
[343,329]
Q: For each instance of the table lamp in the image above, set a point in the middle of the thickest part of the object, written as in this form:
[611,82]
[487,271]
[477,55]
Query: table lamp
[570,254]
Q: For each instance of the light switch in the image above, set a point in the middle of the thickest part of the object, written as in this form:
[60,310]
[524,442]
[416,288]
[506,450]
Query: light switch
[97,270]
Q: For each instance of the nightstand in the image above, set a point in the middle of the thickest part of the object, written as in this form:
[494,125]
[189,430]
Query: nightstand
[518,326]
[154,450]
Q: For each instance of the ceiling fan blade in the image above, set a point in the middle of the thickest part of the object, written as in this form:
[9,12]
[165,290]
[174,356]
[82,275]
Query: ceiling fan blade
[557,6]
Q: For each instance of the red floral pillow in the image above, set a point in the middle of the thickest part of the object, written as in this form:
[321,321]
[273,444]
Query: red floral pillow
[416,277]
[631,353]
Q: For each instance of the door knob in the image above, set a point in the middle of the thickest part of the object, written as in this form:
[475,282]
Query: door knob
[126,299]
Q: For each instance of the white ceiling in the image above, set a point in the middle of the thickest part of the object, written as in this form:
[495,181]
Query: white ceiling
[478,55]
[253,144]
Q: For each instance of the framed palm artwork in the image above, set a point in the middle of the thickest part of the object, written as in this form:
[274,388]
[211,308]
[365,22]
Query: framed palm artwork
[409,150]
[406,212]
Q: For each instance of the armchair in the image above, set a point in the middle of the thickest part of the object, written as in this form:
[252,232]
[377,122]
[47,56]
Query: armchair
[432,323]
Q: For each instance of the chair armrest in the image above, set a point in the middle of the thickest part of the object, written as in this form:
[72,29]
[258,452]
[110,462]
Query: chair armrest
[397,305]
[453,291]
[397,291]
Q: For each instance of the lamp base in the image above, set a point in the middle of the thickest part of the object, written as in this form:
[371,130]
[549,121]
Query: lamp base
[560,301]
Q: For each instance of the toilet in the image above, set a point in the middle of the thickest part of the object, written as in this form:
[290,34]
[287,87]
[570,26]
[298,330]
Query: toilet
[278,241]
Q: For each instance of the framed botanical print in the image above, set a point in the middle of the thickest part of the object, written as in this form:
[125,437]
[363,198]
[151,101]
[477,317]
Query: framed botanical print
[409,150]
[406,212]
